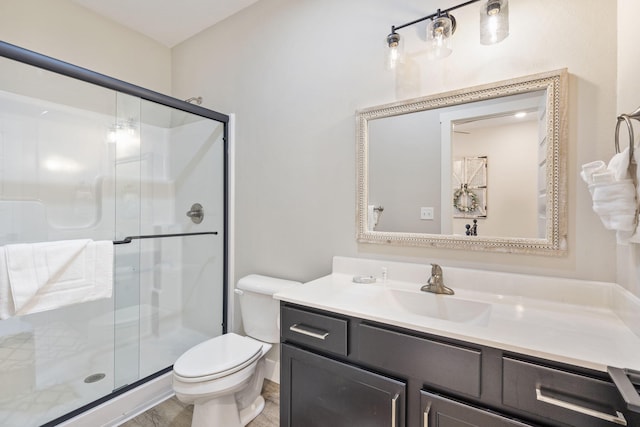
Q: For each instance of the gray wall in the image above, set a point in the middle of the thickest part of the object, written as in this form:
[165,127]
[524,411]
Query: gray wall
[295,72]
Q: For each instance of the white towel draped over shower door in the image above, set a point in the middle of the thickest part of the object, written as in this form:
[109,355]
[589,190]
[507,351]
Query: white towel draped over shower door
[44,276]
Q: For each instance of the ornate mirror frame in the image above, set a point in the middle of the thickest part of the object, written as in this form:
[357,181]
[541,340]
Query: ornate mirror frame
[555,243]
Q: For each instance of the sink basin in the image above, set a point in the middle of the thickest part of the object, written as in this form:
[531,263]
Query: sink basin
[436,306]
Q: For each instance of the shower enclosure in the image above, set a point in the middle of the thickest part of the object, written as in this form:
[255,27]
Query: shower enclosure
[83,156]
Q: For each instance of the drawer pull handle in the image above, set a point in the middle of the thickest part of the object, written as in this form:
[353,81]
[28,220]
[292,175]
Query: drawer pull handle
[616,419]
[625,387]
[308,332]
[425,419]
[394,410]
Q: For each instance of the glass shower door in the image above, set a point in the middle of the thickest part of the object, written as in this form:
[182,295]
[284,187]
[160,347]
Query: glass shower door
[180,263]
[81,161]
[55,178]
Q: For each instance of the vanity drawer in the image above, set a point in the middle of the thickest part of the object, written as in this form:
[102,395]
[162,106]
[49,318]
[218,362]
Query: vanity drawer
[440,411]
[320,331]
[560,396]
[447,366]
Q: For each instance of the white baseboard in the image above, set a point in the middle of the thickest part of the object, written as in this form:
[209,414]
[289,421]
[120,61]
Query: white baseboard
[127,405]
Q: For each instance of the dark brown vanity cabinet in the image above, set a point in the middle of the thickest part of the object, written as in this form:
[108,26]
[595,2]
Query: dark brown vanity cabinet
[321,392]
[344,371]
[440,411]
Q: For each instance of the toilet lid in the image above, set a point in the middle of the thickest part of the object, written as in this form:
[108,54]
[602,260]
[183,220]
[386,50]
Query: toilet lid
[217,357]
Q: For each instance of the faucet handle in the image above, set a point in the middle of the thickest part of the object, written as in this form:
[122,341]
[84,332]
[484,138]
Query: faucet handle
[436,270]
[435,283]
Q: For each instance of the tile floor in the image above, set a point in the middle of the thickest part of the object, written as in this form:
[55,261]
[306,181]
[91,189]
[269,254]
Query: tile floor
[173,413]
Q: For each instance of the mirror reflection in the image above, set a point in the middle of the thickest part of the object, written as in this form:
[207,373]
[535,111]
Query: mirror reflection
[479,168]
[506,149]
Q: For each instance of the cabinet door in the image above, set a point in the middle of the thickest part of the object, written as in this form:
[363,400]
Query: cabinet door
[316,391]
[438,411]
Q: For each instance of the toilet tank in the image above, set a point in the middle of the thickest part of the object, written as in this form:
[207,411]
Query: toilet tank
[260,312]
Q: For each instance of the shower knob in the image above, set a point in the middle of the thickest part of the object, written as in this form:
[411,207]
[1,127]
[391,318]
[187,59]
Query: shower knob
[196,213]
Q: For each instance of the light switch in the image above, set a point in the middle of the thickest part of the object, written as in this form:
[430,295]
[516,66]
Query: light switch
[426,213]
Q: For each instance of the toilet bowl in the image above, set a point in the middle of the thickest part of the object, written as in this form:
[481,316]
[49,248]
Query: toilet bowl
[222,377]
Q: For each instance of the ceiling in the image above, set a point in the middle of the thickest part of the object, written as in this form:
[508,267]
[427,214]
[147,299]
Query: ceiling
[169,22]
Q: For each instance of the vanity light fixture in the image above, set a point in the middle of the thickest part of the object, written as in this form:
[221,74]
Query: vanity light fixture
[395,50]
[439,32]
[494,27]
[494,21]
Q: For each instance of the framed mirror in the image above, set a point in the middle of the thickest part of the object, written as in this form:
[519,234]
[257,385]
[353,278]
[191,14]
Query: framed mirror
[481,168]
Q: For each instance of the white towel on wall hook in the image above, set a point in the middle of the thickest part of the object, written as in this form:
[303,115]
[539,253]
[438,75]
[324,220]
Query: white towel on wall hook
[615,198]
[592,168]
[619,165]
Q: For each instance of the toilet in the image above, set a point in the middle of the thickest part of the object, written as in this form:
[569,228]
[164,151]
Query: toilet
[222,377]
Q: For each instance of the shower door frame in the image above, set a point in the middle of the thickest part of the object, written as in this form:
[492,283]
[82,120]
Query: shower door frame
[28,57]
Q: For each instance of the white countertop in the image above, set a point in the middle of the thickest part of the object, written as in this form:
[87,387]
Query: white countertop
[567,321]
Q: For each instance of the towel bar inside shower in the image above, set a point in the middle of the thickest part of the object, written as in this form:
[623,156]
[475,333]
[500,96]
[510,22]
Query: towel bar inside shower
[129,239]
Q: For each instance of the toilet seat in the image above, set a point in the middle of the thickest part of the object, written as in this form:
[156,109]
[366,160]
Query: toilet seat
[216,358]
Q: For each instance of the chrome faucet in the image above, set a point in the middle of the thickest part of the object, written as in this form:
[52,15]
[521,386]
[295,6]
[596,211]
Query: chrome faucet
[435,283]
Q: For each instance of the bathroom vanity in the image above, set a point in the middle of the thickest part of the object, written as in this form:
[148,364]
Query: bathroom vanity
[385,354]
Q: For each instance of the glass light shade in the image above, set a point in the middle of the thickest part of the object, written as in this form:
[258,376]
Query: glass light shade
[494,21]
[394,50]
[439,32]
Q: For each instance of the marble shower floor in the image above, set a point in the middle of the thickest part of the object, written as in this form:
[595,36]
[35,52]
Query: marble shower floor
[173,413]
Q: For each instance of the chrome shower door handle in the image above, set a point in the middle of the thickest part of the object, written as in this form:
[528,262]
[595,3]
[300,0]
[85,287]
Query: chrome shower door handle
[196,213]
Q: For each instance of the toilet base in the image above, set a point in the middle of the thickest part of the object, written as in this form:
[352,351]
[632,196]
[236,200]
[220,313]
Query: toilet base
[251,411]
[223,411]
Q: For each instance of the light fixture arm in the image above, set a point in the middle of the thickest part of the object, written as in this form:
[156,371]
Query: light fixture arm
[433,15]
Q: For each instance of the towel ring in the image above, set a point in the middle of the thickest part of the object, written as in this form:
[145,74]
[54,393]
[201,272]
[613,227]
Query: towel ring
[633,166]
[627,119]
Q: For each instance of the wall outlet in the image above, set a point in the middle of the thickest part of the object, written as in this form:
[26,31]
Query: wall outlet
[426,213]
